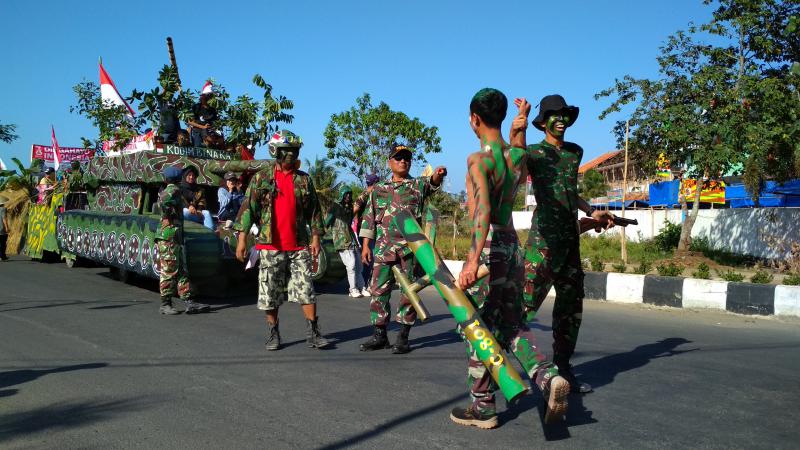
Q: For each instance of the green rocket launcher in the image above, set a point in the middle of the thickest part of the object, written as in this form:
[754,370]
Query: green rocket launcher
[477,334]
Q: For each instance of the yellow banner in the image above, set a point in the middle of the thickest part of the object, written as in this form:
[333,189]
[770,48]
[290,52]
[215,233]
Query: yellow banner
[713,191]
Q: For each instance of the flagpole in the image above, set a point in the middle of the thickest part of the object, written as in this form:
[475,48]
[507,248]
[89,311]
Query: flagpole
[624,247]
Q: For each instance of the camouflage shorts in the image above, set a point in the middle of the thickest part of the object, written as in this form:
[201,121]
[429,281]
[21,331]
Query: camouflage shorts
[284,276]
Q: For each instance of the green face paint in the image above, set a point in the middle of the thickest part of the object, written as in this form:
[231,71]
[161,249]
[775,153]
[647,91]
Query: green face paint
[555,119]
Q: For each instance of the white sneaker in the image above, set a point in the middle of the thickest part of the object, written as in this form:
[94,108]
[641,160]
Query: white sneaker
[366,293]
[354,293]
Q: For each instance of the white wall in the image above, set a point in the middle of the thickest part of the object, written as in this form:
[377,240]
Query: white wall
[743,231]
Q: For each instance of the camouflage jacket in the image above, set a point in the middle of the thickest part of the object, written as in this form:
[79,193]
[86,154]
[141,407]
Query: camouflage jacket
[554,175]
[171,203]
[257,206]
[194,196]
[387,198]
[338,222]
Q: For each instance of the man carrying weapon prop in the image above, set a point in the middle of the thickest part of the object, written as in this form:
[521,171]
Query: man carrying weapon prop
[489,316]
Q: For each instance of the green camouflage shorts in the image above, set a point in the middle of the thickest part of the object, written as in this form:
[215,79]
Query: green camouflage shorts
[284,276]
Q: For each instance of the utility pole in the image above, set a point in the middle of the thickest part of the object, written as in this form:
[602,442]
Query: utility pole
[624,191]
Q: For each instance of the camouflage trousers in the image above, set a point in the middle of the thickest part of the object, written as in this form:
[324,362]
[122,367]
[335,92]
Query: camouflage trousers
[383,282]
[498,300]
[284,275]
[173,270]
[544,270]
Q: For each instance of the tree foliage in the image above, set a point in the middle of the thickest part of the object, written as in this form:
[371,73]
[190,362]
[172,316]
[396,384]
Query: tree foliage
[324,177]
[27,178]
[244,121]
[726,97]
[7,132]
[593,184]
[357,139]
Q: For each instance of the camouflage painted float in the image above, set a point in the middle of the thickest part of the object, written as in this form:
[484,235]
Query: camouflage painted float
[118,226]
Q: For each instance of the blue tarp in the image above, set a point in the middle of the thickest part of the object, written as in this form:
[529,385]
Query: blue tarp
[773,195]
[665,193]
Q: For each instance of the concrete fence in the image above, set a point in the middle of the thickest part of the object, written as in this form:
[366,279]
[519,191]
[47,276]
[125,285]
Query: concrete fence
[760,232]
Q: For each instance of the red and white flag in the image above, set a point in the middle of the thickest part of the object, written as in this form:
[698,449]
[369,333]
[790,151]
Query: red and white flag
[56,151]
[207,88]
[109,92]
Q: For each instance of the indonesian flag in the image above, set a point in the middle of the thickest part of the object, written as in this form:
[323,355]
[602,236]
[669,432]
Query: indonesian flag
[56,151]
[109,92]
[206,88]
[245,153]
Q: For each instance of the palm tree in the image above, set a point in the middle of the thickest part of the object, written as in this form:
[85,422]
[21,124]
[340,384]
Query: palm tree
[323,175]
[27,179]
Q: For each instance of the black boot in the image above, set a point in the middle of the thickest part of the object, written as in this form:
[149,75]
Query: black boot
[401,344]
[378,341]
[565,370]
[193,307]
[314,338]
[167,308]
[274,338]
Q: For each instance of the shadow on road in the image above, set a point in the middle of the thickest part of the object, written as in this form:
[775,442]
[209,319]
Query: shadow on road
[602,371]
[366,331]
[435,340]
[386,426]
[15,377]
[61,416]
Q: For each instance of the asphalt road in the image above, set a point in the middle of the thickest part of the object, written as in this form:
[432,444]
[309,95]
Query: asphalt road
[86,362]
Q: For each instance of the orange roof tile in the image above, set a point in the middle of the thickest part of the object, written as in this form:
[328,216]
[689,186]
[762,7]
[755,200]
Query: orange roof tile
[597,161]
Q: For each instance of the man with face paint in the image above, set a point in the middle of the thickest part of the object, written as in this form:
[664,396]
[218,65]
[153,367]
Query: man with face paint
[493,179]
[552,252]
[282,203]
[400,192]
[339,220]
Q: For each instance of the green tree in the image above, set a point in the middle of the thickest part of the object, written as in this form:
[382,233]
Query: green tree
[726,97]
[593,184]
[112,121]
[324,177]
[27,178]
[357,139]
[7,132]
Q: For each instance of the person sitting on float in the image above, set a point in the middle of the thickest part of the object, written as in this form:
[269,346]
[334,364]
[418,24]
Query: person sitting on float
[195,198]
[46,185]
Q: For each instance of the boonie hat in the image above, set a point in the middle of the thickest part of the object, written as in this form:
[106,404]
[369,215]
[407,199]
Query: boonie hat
[554,103]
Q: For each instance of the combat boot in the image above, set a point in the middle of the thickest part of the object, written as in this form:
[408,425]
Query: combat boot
[565,370]
[378,341]
[167,308]
[401,344]
[556,397]
[472,418]
[274,340]
[193,307]
[314,338]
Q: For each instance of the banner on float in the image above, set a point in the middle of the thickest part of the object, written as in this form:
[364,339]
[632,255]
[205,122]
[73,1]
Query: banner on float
[713,191]
[45,153]
[197,152]
[137,144]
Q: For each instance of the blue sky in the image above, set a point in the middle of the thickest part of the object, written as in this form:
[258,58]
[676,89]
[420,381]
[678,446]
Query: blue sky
[425,58]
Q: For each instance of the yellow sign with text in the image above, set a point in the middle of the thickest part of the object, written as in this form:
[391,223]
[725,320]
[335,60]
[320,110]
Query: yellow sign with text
[713,191]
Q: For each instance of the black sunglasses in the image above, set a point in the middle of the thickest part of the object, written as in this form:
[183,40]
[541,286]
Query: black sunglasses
[402,157]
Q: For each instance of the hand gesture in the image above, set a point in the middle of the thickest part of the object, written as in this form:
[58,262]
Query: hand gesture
[438,175]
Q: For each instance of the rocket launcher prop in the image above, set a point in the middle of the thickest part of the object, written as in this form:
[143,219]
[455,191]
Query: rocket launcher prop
[477,334]
[411,289]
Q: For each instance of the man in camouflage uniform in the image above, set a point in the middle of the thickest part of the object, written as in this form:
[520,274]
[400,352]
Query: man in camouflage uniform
[76,197]
[552,253]
[171,257]
[400,192]
[339,220]
[493,179]
[282,203]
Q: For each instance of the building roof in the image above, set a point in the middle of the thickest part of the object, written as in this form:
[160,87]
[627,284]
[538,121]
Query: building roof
[597,161]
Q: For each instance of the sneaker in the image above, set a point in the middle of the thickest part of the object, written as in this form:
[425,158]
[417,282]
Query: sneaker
[366,293]
[472,418]
[557,391]
[355,293]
